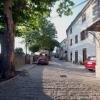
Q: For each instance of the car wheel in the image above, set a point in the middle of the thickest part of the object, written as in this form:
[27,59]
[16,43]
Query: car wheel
[37,63]
[46,63]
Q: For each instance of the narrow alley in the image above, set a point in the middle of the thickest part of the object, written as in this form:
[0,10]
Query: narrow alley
[56,81]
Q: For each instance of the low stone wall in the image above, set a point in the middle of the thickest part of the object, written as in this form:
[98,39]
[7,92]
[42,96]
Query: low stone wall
[19,61]
[27,59]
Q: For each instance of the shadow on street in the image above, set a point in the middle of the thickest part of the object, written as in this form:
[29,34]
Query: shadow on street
[26,86]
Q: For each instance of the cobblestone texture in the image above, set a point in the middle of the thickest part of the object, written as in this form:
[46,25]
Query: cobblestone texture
[52,82]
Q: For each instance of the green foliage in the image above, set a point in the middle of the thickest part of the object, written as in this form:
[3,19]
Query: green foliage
[80,62]
[19,51]
[29,16]
[34,48]
[65,7]
[44,36]
[28,11]
[52,44]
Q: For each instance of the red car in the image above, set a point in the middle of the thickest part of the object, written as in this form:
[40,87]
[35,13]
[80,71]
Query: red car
[90,63]
[35,57]
[43,60]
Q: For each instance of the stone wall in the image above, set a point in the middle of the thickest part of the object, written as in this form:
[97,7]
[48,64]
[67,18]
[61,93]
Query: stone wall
[19,61]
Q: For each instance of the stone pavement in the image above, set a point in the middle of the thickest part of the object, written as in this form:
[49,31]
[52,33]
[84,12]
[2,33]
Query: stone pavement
[49,83]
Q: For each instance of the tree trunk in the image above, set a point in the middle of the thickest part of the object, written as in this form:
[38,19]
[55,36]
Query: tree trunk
[8,41]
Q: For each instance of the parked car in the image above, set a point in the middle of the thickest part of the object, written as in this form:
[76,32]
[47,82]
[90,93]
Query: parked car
[35,58]
[43,59]
[90,63]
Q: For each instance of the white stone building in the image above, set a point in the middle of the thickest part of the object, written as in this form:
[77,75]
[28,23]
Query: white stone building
[81,44]
[63,50]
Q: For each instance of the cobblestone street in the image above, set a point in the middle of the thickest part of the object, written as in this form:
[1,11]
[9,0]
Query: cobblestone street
[57,81]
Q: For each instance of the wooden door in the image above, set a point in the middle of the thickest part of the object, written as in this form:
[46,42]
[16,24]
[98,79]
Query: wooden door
[76,57]
[84,54]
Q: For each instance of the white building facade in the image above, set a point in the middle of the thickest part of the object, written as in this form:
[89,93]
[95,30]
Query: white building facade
[63,50]
[81,44]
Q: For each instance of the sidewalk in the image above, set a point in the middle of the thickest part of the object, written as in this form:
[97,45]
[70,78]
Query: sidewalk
[48,82]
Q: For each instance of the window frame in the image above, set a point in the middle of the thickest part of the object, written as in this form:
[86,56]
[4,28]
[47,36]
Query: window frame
[83,35]
[76,39]
[70,42]
[83,17]
[71,30]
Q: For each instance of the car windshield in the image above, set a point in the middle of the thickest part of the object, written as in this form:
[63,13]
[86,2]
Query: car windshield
[92,58]
[43,56]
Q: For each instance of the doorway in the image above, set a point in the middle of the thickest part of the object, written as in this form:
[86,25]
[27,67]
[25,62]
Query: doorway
[71,56]
[76,56]
[84,54]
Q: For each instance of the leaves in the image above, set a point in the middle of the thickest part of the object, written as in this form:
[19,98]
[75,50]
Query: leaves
[65,7]
[34,48]
[19,51]
[25,11]
[30,18]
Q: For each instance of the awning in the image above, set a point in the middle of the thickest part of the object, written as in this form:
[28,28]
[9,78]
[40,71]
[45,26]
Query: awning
[95,26]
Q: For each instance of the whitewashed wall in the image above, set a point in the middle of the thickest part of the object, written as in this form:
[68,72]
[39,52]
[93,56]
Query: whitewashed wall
[77,28]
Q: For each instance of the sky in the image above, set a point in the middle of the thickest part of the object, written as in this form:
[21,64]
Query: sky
[19,43]
[61,23]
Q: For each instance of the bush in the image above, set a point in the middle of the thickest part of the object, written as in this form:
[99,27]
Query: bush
[19,51]
[80,62]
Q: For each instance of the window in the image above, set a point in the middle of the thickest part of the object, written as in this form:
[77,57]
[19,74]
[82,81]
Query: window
[76,56]
[98,3]
[94,38]
[76,39]
[84,35]
[90,58]
[70,42]
[95,10]
[84,54]
[83,17]
[71,30]
[65,51]
[71,56]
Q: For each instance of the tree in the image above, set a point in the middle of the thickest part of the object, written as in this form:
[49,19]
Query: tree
[34,48]
[19,51]
[45,36]
[19,11]
[8,36]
